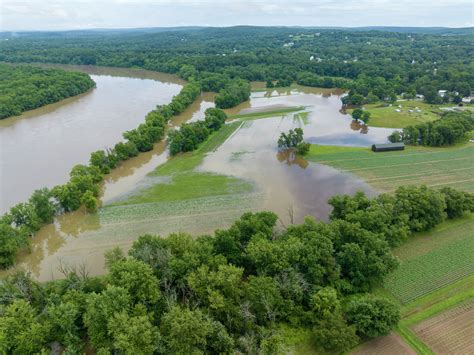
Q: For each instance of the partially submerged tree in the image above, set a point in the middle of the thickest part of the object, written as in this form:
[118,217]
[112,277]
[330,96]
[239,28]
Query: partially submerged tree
[293,140]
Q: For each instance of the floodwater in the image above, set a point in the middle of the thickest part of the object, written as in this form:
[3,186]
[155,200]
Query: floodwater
[40,147]
[293,188]
[290,186]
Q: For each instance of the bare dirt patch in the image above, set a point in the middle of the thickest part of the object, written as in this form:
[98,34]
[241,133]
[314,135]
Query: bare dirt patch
[450,332]
[391,344]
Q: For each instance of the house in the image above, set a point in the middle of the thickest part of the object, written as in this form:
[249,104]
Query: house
[420,97]
[311,58]
[387,147]
[442,93]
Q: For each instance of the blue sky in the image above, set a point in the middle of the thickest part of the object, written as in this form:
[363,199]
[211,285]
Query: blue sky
[18,15]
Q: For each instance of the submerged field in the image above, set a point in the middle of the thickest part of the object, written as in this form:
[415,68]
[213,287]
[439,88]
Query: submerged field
[435,167]
[178,179]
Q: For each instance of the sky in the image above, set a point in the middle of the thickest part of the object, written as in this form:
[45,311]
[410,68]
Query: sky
[30,15]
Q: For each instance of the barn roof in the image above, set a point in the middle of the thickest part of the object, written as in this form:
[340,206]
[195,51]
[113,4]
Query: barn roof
[389,145]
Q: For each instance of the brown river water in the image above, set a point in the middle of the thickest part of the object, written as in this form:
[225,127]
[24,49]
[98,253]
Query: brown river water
[40,147]
[282,182]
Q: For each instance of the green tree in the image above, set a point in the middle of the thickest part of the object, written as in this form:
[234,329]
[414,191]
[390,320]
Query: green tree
[89,201]
[185,331]
[457,202]
[357,114]
[425,207]
[372,316]
[133,334]
[100,308]
[44,207]
[137,278]
[333,335]
[365,117]
[64,319]
[20,329]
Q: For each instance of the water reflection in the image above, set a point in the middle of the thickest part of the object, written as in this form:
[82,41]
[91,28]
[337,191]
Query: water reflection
[290,157]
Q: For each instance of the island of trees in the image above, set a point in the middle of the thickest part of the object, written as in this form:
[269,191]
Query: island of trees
[24,87]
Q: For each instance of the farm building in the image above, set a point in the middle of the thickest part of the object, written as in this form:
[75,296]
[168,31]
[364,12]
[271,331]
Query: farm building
[387,147]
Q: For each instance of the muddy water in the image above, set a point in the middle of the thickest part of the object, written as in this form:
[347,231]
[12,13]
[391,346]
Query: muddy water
[40,147]
[292,187]
[131,174]
[79,238]
[283,184]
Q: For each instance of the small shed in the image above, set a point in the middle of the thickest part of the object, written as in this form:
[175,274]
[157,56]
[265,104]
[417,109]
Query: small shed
[387,147]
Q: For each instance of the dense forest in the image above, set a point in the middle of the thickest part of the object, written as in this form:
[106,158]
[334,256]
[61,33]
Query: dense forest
[231,292]
[24,88]
[374,65]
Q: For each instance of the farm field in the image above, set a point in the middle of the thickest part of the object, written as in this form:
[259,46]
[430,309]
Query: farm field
[434,167]
[390,344]
[449,332]
[432,261]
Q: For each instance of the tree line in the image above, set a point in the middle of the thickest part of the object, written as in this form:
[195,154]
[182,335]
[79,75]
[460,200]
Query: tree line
[83,187]
[189,135]
[24,88]
[231,292]
[451,128]
[374,65]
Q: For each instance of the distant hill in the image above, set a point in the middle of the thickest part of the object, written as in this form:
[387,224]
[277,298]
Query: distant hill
[151,30]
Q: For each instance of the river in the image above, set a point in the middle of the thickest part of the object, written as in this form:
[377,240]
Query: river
[40,147]
[281,182]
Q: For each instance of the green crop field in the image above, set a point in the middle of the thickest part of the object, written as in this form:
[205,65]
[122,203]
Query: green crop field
[435,167]
[433,260]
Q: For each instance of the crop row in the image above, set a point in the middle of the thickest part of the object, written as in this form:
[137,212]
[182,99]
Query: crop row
[433,270]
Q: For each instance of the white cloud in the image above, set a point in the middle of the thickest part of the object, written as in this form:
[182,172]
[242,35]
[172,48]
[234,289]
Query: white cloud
[73,14]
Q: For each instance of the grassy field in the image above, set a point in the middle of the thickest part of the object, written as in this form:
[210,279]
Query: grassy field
[265,114]
[382,115]
[436,167]
[433,261]
[178,180]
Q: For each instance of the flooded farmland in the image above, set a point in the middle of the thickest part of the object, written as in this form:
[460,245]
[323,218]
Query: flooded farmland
[282,183]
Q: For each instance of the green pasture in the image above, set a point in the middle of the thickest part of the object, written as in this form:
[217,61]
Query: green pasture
[435,167]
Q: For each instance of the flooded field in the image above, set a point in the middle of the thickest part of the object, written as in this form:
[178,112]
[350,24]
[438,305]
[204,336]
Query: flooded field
[289,186]
[40,147]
